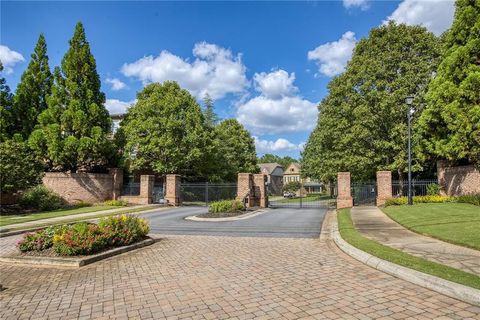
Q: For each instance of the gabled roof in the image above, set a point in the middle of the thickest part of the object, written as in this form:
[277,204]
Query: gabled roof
[269,167]
[295,165]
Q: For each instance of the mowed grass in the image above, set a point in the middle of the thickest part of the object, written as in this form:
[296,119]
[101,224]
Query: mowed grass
[6,220]
[308,198]
[457,223]
[352,236]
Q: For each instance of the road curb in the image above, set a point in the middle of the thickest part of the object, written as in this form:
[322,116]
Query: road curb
[241,217]
[448,288]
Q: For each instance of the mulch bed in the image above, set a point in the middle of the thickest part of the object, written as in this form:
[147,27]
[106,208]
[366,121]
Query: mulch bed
[221,214]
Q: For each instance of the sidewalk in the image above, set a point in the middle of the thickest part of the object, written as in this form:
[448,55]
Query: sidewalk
[69,218]
[374,224]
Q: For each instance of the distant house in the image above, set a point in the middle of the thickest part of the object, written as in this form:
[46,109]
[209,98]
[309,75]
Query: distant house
[116,119]
[293,174]
[274,172]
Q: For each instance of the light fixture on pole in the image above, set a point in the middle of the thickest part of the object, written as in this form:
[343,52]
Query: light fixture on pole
[409,102]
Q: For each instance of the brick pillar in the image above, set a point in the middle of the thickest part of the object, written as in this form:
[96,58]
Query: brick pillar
[244,187]
[146,188]
[261,197]
[344,196]
[172,185]
[384,187]
[117,176]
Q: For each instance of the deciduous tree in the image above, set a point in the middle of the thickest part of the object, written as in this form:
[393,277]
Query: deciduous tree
[6,99]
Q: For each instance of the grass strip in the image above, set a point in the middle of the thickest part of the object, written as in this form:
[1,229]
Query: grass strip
[100,215]
[353,237]
[19,218]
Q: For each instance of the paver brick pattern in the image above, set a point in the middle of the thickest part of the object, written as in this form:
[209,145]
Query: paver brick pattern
[203,277]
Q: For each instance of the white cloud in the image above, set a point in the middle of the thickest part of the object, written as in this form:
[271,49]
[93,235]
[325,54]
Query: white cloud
[435,15]
[267,146]
[9,58]
[362,4]
[215,70]
[116,84]
[115,106]
[332,57]
[275,84]
[277,109]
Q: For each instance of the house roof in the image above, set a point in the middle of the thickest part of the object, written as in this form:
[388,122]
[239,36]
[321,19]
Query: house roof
[269,167]
[294,165]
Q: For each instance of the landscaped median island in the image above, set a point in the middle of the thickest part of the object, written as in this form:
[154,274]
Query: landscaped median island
[81,239]
[352,236]
[224,209]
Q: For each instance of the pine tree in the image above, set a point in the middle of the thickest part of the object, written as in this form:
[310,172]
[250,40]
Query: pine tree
[5,108]
[73,129]
[32,91]
[209,114]
[450,124]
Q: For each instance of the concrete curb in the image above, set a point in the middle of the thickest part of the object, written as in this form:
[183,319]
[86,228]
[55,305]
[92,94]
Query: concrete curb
[448,288]
[34,228]
[75,262]
[244,216]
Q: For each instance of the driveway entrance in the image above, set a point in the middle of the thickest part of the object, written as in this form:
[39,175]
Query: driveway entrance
[282,222]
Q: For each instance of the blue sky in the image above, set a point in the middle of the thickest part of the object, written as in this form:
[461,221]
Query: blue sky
[265,63]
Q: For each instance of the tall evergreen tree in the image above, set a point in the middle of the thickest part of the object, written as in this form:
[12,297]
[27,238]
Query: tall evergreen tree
[5,108]
[362,124]
[209,114]
[32,91]
[73,129]
[450,124]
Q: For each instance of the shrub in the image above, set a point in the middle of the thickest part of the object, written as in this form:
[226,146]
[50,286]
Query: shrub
[433,189]
[40,198]
[124,229]
[40,240]
[116,203]
[418,199]
[470,198]
[226,206]
[81,239]
[19,167]
[292,186]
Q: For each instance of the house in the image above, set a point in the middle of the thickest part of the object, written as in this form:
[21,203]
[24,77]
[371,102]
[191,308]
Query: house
[293,174]
[274,172]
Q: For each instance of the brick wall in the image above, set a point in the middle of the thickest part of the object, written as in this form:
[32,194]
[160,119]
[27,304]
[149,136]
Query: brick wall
[253,185]
[344,195]
[86,187]
[458,180]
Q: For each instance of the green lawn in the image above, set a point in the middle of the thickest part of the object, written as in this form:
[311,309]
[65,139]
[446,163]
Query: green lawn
[352,236]
[19,218]
[458,223]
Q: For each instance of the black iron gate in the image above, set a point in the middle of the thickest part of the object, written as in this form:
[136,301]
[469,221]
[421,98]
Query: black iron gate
[202,194]
[158,194]
[364,193]
[304,199]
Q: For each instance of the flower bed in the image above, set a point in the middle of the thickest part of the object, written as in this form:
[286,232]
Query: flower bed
[224,208]
[470,198]
[85,238]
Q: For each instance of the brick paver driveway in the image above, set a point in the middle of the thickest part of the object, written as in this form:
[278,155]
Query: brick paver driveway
[213,277]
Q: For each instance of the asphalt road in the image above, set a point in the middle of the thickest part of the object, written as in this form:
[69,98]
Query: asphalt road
[282,222]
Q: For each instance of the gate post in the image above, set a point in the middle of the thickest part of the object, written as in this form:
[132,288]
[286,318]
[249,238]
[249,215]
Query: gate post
[344,193]
[245,188]
[172,192]
[146,188]
[384,186]
[259,181]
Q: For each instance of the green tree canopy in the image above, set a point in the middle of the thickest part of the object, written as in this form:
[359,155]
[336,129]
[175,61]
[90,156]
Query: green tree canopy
[73,130]
[450,124]
[6,99]
[165,131]
[362,125]
[235,150]
[32,90]
[211,118]
[19,168]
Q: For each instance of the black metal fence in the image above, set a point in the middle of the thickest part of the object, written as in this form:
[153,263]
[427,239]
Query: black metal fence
[204,193]
[419,187]
[364,193]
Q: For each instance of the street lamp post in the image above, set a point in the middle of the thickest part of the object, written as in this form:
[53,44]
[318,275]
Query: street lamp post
[409,102]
